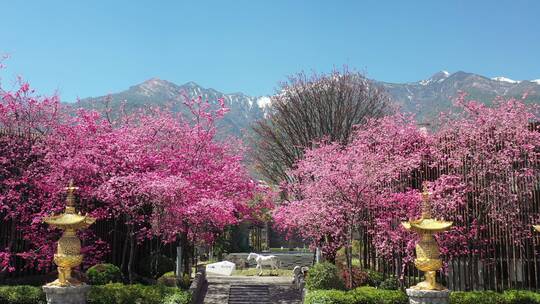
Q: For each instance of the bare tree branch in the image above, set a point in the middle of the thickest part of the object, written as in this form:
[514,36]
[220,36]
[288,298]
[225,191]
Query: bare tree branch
[307,109]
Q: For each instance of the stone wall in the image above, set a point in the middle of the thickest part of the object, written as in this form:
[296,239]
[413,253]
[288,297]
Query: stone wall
[197,285]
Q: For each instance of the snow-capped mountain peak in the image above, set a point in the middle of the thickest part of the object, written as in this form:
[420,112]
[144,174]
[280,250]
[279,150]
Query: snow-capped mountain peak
[436,78]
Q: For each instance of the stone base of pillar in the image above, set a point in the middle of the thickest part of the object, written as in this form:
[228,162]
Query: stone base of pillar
[428,296]
[66,295]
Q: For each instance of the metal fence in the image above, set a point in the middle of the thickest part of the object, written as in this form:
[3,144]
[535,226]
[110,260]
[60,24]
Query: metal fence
[113,232]
[497,264]
[495,261]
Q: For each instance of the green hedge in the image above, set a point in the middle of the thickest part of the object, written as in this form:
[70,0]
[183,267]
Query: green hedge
[370,295]
[328,297]
[114,293]
[117,293]
[490,297]
[477,297]
[21,295]
[361,295]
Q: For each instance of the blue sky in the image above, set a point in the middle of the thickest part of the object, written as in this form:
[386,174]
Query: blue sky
[91,48]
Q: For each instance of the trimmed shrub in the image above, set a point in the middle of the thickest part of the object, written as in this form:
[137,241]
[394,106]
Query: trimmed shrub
[167,279]
[101,274]
[391,283]
[521,297]
[476,297]
[374,278]
[362,295]
[116,293]
[177,298]
[491,297]
[359,277]
[185,282]
[371,295]
[328,297]
[324,276]
[21,295]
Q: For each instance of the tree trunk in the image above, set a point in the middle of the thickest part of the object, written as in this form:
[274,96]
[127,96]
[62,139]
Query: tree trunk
[124,253]
[266,236]
[115,240]
[131,255]
[186,254]
[348,257]
[187,258]
[179,262]
[194,257]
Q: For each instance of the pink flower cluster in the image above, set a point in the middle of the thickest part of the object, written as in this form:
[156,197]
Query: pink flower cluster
[336,189]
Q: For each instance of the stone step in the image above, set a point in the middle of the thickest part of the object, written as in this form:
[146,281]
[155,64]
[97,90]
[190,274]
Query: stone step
[249,294]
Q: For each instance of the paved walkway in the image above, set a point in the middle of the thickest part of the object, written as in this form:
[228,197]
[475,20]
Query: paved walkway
[250,290]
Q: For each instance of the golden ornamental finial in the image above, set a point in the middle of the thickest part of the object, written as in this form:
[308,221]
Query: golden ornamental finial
[426,204]
[427,250]
[68,253]
[70,201]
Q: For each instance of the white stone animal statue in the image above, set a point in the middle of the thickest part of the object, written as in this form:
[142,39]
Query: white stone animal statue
[264,260]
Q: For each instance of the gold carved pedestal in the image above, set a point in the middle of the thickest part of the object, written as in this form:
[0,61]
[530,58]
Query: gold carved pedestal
[427,250]
[68,254]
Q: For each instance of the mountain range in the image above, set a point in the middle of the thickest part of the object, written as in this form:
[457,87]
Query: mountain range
[426,98]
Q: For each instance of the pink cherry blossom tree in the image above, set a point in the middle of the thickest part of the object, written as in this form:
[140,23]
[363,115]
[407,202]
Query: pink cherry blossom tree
[336,188]
[25,119]
[165,175]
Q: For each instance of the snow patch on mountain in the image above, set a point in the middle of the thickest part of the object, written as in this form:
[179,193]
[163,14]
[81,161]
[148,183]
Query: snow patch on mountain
[504,79]
[264,101]
[436,78]
[537,81]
